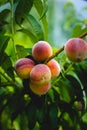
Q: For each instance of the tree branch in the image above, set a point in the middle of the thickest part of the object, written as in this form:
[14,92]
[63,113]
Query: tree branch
[55,54]
[83,35]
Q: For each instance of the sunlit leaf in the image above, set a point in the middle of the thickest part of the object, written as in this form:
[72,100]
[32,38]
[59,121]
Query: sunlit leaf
[30,34]
[23,52]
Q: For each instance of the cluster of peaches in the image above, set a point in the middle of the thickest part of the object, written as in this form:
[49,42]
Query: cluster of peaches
[39,72]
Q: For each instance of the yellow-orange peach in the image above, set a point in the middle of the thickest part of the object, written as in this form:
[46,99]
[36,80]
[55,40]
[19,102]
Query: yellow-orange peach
[40,90]
[54,68]
[40,74]
[76,49]
[23,67]
[41,51]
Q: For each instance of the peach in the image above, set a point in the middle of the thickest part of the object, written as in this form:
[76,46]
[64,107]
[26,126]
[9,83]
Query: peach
[40,74]
[23,67]
[76,49]
[40,90]
[54,68]
[41,51]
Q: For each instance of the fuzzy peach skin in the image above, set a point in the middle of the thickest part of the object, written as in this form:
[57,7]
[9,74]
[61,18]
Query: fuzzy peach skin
[40,90]
[54,68]
[41,50]
[76,49]
[40,74]
[23,67]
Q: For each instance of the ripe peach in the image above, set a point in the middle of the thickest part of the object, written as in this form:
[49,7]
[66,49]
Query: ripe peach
[40,74]
[23,67]
[54,68]
[40,90]
[76,49]
[41,51]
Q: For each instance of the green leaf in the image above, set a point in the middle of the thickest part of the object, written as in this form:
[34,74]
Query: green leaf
[78,30]
[53,113]
[3,2]
[3,15]
[23,7]
[42,8]
[3,43]
[23,122]
[73,74]
[39,6]
[2,91]
[36,27]
[23,52]
[51,95]
[30,34]
[65,90]
[44,12]
[16,103]
[40,115]
[31,115]
[78,88]
[6,64]
[83,65]
[84,118]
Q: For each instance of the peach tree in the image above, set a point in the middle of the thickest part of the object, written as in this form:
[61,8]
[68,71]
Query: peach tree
[41,86]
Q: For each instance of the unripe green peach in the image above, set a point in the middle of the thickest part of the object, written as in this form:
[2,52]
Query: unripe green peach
[54,68]
[76,49]
[41,51]
[23,67]
[40,90]
[40,74]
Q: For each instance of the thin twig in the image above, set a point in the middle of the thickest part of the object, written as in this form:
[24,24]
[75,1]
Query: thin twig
[55,54]
[83,35]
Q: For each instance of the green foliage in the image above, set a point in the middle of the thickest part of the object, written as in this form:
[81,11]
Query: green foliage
[23,7]
[64,107]
[36,27]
